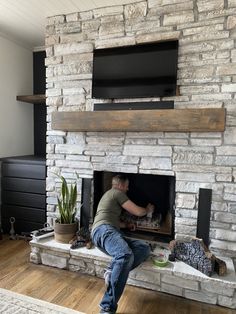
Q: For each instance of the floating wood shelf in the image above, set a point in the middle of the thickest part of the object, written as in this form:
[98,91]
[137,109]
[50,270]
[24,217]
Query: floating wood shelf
[167,120]
[33,99]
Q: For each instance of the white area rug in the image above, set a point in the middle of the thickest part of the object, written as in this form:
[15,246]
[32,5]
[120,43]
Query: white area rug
[15,303]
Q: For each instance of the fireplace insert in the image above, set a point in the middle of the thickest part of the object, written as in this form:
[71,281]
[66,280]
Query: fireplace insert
[143,189]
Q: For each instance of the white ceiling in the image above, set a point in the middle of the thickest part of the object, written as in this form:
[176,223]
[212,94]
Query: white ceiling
[23,21]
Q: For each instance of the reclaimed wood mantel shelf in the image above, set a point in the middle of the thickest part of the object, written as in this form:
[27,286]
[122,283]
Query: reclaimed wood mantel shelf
[167,120]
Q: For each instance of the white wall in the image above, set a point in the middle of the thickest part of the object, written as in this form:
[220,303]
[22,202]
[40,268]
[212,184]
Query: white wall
[16,118]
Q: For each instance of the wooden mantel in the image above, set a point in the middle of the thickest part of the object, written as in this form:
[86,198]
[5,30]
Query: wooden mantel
[167,120]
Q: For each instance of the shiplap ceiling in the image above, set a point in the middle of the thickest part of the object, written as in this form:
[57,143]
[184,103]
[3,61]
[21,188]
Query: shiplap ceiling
[23,21]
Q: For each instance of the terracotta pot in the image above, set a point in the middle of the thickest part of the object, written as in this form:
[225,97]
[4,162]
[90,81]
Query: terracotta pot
[63,233]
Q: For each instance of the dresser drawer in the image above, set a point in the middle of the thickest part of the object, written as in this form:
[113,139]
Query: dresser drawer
[24,213]
[24,185]
[23,171]
[24,199]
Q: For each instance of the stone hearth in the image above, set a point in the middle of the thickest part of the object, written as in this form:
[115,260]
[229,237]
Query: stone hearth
[176,278]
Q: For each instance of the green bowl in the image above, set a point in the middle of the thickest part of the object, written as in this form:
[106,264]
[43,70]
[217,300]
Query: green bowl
[160,261]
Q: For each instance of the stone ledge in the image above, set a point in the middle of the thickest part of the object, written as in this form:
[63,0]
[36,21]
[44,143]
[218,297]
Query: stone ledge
[176,278]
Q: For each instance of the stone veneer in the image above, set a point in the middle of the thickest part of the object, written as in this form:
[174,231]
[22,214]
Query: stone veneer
[206,30]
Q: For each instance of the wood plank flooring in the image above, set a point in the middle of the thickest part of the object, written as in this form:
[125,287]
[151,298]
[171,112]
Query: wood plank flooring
[83,292]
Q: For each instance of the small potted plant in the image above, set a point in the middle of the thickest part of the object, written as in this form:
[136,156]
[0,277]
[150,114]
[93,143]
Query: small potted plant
[66,224]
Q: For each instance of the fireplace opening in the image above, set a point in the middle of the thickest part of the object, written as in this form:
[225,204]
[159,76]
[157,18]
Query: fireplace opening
[143,189]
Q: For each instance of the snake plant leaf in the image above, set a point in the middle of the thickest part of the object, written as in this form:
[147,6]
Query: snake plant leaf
[66,202]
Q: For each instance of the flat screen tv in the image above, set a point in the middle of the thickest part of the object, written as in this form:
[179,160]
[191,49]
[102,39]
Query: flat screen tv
[147,70]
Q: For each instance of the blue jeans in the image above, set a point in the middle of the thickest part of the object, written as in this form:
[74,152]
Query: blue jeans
[126,255]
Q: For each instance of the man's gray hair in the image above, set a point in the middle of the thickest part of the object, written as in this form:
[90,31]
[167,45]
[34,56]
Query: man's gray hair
[119,179]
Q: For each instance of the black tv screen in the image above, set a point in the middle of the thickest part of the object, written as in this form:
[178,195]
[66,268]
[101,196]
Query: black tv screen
[147,70]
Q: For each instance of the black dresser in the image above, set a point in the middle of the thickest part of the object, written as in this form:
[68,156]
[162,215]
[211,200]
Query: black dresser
[23,193]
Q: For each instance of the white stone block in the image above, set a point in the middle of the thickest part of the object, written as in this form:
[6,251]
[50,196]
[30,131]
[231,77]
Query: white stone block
[75,100]
[230,136]
[117,159]
[169,288]
[186,213]
[185,221]
[155,163]
[142,27]
[222,289]
[185,200]
[146,285]
[228,88]
[55,19]
[68,149]
[229,197]
[191,187]
[210,5]
[115,167]
[85,15]
[146,276]
[114,10]
[232,3]
[113,26]
[196,177]
[115,42]
[230,188]
[148,150]
[223,245]
[75,138]
[185,232]
[157,36]
[64,49]
[54,261]
[224,178]
[73,164]
[226,150]
[53,92]
[172,141]
[226,69]
[178,18]
[225,235]
[188,157]
[209,297]
[135,10]
[180,282]
[226,301]
[225,160]
[154,3]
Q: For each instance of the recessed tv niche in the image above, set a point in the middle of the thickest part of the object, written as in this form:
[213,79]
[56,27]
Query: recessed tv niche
[147,70]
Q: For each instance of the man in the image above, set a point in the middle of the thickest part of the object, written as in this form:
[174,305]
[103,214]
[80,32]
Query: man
[106,235]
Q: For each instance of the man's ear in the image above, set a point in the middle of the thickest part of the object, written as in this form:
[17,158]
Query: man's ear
[119,185]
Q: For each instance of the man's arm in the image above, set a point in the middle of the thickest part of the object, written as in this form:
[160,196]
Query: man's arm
[136,210]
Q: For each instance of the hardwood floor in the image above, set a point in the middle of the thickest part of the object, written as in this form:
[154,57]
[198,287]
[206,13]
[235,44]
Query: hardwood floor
[83,292]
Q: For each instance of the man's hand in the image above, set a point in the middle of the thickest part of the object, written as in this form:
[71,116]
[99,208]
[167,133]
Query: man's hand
[150,208]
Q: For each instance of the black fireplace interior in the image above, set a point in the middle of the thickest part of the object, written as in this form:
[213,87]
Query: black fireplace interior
[143,189]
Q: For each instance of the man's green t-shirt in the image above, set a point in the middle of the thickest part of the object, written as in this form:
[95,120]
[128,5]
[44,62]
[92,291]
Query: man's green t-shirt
[109,208]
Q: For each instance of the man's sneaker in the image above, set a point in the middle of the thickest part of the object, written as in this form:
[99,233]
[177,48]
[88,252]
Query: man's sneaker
[107,277]
[106,312]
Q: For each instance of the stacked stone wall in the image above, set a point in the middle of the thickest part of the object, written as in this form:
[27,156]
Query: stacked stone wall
[206,30]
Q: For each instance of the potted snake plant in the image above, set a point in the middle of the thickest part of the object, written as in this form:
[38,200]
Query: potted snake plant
[66,224]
